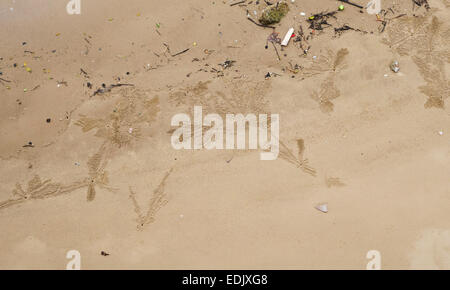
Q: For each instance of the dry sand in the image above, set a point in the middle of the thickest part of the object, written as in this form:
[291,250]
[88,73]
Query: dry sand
[377,140]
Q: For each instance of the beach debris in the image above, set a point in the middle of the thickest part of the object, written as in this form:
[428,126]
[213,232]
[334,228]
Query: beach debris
[84,73]
[273,38]
[295,69]
[29,144]
[441,133]
[237,3]
[107,89]
[373,7]
[260,25]
[3,80]
[178,53]
[103,253]
[323,207]
[341,7]
[226,64]
[274,14]
[276,50]
[61,83]
[346,27]
[395,66]
[421,3]
[48,120]
[319,21]
[287,37]
[351,3]
[183,51]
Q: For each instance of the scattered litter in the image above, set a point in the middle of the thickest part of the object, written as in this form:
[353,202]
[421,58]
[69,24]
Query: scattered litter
[3,80]
[341,8]
[61,83]
[176,54]
[421,3]
[441,133]
[48,120]
[353,4]
[395,66]
[345,27]
[322,207]
[287,37]
[319,21]
[103,253]
[269,75]
[237,3]
[30,144]
[273,37]
[105,89]
[302,13]
[227,64]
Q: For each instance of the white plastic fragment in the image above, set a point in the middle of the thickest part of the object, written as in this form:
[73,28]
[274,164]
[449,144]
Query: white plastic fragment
[322,207]
[441,133]
[287,37]
[302,13]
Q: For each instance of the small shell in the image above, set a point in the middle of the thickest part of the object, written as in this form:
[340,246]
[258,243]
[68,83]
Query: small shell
[323,207]
[395,66]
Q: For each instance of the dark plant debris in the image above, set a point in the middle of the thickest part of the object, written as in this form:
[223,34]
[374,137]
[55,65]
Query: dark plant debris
[319,21]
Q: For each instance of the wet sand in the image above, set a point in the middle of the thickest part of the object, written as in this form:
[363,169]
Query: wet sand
[101,174]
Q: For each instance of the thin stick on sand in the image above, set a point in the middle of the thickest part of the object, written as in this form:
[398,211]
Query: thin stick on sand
[348,2]
[276,50]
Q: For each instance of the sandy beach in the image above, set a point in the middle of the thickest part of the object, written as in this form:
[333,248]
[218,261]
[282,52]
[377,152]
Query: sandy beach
[87,163]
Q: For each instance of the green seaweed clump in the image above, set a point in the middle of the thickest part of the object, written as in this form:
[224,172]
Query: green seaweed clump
[274,13]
